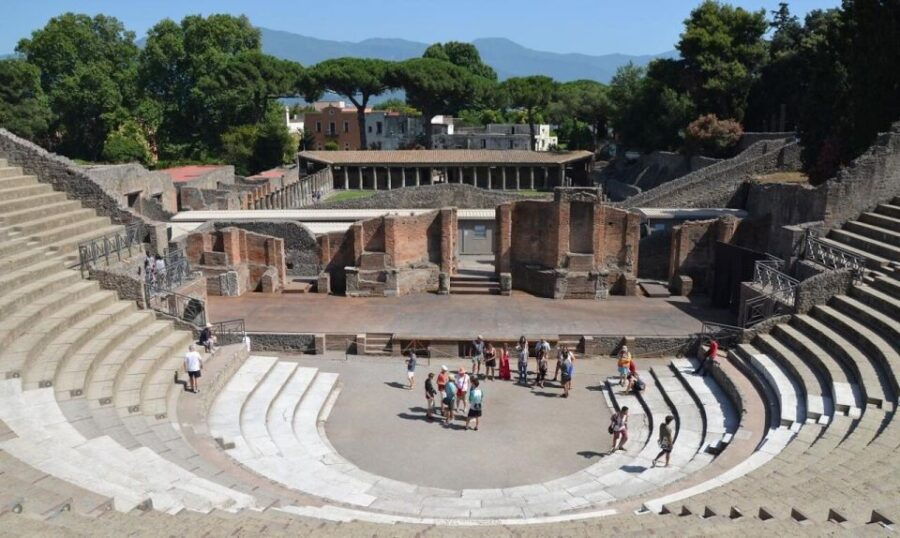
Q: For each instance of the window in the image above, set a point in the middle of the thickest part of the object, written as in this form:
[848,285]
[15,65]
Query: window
[484,143]
[132,198]
[331,129]
[346,126]
[370,128]
[318,126]
[510,144]
[480,231]
[403,128]
[378,127]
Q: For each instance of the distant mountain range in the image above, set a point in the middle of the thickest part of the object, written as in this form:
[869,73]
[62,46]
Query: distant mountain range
[507,57]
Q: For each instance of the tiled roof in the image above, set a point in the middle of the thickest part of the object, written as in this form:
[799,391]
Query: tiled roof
[439,157]
[181,174]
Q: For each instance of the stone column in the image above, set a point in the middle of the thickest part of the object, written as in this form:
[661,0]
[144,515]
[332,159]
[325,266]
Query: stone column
[346,178]
[503,176]
[360,175]
[562,175]
[531,177]
[503,237]
[518,177]
[403,176]
[418,176]
[447,175]
[390,183]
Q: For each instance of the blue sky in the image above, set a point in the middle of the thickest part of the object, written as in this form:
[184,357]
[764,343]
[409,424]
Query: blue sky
[586,26]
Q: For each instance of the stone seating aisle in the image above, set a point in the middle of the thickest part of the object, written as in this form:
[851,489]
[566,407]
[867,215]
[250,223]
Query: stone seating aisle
[875,236]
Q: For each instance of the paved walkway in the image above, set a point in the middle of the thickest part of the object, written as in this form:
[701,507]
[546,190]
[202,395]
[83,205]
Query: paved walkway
[460,316]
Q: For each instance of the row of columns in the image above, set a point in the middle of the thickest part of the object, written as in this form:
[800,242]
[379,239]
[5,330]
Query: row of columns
[293,195]
[348,176]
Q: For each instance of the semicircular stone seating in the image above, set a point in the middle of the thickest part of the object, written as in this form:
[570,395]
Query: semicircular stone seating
[90,429]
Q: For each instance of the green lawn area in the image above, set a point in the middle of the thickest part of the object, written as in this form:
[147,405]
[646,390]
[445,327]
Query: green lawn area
[343,196]
[532,193]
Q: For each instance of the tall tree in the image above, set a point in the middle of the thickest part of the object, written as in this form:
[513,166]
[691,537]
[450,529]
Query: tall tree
[357,79]
[723,50]
[24,108]
[465,55]
[586,101]
[87,67]
[437,87]
[532,94]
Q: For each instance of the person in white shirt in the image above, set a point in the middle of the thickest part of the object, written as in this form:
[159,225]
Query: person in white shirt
[193,364]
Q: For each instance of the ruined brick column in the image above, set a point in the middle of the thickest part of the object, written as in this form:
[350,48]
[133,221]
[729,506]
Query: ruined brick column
[449,229]
[503,237]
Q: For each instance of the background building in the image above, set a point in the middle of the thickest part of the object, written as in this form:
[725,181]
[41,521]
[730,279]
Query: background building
[495,136]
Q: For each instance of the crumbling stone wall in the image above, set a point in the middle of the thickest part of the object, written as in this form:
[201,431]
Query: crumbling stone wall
[575,246]
[300,245]
[692,252]
[623,177]
[718,185]
[125,179]
[236,261]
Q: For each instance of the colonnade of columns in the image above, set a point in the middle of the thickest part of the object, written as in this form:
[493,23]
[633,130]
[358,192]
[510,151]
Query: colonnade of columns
[293,195]
[497,177]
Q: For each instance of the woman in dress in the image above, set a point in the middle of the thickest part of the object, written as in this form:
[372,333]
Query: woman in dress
[503,357]
[618,427]
[490,361]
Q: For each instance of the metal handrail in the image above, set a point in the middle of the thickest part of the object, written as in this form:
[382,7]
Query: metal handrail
[104,247]
[725,334]
[831,256]
[176,272]
[231,331]
[182,307]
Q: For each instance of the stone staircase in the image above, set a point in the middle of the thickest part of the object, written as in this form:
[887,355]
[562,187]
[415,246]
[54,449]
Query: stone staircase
[474,285]
[874,236]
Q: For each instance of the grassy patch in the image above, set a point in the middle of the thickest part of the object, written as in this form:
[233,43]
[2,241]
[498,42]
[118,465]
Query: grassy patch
[532,193]
[343,196]
[783,177]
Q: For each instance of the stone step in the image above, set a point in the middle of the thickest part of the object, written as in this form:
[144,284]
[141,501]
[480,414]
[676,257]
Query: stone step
[689,418]
[31,500]
[877,299]
[40,368]
[69,246]
[72,370]
[10,178]
[17,321]
[47,223]
[887,285]
[874,318]
[6,171]
[21,253]
[33,340]
[874,232]
[254,413]
[791,399]
[26,215]
[883,359]
[882,221]
[17,277]
[720,418]
[853,360]
[890,210]
[127,388]
[82,501]
[846,394]
[25,191]
[819,403]
[224,415]
[32,203]
[655,290]
[85,224]
[866,244]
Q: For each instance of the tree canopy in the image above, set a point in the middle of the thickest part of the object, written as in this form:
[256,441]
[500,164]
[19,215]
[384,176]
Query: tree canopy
[465,55]
[24,108]
[532,94]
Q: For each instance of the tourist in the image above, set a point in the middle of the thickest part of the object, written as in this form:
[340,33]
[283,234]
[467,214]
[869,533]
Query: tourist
[207,338]
[522,352]
[543,366]
[429,395]
[490,361]
[665,440]
[160,267]
[411,368]
[443,377]
[624,365]
[448,401]
[635,385]
[618,427]
[568,373]
[503,357]
[560,358]
[708,359]
[542,349]
[462,388]
[477,355]
[476,399]
[193,364]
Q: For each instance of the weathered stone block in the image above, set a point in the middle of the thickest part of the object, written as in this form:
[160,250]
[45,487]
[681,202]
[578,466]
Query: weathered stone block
[681,285]
[443,284]
[505,283]
[323,283]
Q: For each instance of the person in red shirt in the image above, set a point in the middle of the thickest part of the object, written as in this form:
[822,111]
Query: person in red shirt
[708,359]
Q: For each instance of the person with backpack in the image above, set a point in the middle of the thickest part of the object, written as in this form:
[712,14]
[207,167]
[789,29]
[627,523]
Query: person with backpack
[666,440]
[636,385]
[476,401]
[618,428]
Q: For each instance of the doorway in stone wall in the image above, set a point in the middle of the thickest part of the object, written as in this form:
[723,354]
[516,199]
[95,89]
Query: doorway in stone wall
[581,228]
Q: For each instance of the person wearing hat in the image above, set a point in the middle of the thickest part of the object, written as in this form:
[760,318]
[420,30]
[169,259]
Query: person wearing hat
[462,388]
[207,338]
[442,377]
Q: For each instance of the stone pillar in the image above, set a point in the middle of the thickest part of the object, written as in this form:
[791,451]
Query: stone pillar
[447,175]
[346,178]
[449,227]
[562,175]
[518,177]
[418,176]
[390,183]
[403,176]
[503,176]
[360,174]
[531,177]
[503,238]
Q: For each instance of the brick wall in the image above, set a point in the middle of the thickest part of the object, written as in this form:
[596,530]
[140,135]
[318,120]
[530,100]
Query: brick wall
[693,245]
[250,256]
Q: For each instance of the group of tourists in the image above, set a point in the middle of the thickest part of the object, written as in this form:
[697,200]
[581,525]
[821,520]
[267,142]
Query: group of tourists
[154,268]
